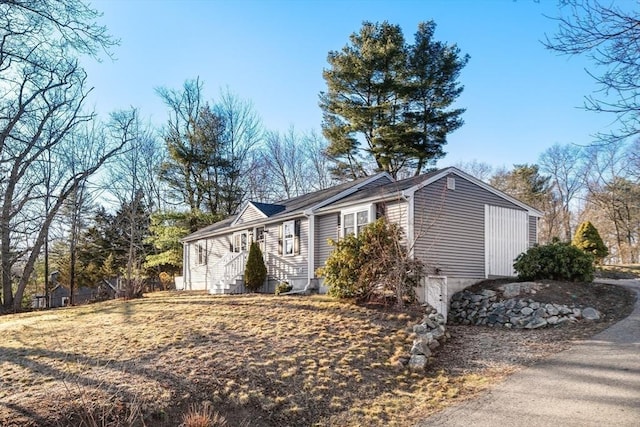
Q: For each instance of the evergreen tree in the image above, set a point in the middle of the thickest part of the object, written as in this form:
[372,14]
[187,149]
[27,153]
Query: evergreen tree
[255,271]
[165,232]
[392,96]
[588,239]
[203,168]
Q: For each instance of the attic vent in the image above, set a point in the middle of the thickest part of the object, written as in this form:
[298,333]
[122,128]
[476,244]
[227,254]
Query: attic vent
[451,183]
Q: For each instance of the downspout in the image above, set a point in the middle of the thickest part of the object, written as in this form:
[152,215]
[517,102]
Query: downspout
[311,251]
[186,277]
[409,197]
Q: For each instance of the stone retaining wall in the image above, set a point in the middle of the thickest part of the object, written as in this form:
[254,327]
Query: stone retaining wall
[430,333]
[485,308]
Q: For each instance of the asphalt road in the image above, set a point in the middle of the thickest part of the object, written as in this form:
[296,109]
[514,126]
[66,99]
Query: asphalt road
[594,383]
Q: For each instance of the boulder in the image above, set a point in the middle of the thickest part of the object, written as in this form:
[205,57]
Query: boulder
[420,329]
[417,362]
[421,346]
[488,293]
[552,310]
[526,311]
[535,323]
[590,313]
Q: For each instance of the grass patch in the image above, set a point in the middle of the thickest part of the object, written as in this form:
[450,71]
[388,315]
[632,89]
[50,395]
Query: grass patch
[619,271]
[243,360]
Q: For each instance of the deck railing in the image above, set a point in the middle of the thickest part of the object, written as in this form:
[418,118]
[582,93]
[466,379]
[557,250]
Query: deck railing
[234,266]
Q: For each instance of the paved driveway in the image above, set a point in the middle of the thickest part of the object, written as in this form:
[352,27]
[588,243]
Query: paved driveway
[595,383]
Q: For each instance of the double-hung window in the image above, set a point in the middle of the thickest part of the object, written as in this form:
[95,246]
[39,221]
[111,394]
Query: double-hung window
[289,237]
[202,252]
[353,221]
[241,241]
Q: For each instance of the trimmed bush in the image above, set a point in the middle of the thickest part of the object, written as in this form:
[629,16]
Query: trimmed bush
[555,261]
[588,239]
[255,271]
[283,287]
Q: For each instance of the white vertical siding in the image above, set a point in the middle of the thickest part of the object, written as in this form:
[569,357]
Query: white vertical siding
[219,248]
[506,237]
[199,273]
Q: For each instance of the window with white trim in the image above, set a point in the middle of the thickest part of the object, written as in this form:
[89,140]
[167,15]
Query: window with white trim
[241,241]
[354,221]
[202,252]
[289,237]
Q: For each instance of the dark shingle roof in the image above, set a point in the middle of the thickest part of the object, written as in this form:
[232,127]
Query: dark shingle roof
[283,207]
[268,209]
[388,189]
[309,200]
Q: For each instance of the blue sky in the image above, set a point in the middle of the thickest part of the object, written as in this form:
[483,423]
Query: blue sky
[520,98]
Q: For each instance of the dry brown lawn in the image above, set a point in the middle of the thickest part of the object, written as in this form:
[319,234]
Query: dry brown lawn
[260,359]
[254,360]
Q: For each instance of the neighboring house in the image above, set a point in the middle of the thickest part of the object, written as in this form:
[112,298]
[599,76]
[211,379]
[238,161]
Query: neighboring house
[462,228]
[60,295]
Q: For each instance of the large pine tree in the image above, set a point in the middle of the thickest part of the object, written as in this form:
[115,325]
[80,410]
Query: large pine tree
[389,101]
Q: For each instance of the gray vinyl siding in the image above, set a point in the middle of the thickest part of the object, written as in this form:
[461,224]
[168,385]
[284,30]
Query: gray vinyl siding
[533,230]
[201,275]
[449,227]
[219,248]
[250,214]
[326,228]
[396,212]
[293,269]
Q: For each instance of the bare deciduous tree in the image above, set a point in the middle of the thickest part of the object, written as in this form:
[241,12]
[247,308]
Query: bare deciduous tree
[567,170]
[481,170]
[608,34]
[614,196]
[44,89]
[294,164]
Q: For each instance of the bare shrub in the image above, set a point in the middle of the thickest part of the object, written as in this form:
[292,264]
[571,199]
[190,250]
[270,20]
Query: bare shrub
[203,415]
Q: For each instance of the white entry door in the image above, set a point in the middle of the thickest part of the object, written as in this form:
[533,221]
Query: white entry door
[506,235]
[435,293]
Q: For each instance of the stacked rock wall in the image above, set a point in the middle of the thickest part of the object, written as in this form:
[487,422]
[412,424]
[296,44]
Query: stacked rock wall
[485,308]
[430,333]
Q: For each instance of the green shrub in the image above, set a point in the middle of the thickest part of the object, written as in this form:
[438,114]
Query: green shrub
[255,271]
[283,287]
[373,265]
[556,261]
[588,239]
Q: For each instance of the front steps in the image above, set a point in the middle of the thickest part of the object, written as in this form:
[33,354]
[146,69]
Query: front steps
[227,287]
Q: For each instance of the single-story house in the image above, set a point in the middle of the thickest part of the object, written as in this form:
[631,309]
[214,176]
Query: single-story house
[60,295]
[462,228]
